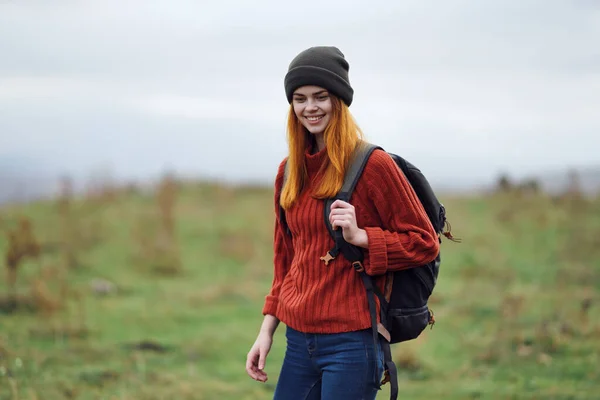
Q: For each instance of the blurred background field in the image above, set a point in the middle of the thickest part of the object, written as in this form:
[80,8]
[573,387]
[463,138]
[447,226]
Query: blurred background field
[141,273]
[129,293]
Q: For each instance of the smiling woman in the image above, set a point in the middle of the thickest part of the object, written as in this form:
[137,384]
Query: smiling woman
[331,350]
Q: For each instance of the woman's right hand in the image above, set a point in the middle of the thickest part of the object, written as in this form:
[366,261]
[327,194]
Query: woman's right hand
[257,356]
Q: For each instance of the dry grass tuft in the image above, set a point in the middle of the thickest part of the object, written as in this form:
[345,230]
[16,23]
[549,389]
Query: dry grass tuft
[154,233]
[22,245]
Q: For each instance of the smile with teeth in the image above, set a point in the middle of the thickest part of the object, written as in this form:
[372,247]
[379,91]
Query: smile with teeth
[315,119]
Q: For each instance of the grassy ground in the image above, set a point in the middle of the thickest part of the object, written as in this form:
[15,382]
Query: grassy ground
[516,304]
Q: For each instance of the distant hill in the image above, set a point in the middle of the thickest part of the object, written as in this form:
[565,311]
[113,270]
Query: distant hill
[23,179]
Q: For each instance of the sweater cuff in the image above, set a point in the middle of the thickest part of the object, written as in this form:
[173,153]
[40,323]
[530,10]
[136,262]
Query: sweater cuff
[270,306]
[377,252]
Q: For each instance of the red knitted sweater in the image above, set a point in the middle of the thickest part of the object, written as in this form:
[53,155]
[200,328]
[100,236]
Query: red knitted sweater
[310,297]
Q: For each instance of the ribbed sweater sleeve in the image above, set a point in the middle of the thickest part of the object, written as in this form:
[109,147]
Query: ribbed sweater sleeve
[406,237]
[282,251]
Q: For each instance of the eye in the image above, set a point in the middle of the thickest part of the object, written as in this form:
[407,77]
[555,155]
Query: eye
[323,97]
[298,99]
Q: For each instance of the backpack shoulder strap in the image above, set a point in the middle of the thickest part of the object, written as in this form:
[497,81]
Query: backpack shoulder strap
[357,164]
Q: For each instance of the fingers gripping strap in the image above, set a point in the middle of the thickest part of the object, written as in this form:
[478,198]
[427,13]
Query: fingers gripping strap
[357,165]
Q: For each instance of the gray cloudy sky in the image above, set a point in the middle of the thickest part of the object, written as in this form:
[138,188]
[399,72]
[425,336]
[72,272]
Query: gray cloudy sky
[197,86]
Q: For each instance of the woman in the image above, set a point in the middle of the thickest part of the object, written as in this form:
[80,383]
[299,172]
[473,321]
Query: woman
[330,352]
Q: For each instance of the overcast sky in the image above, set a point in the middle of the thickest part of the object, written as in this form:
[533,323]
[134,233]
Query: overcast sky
[463,89]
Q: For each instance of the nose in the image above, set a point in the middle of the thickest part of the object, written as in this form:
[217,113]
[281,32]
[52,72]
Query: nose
[311,105]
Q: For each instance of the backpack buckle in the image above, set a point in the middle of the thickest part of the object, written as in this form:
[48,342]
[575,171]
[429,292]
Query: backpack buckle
[358,266]
[327,257]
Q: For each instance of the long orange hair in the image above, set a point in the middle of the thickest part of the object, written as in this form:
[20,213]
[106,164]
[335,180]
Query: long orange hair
[341,137]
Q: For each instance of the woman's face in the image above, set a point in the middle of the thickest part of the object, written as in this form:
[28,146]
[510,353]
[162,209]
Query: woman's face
[312,106]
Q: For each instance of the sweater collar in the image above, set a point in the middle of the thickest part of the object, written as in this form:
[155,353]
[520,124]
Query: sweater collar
[314,161]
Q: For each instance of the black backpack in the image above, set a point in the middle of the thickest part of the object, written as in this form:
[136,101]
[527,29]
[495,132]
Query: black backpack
[405,312]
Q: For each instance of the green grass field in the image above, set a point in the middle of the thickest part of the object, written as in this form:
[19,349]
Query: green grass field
[516,304]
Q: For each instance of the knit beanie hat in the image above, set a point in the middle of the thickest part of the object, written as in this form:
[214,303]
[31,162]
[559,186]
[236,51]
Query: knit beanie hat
[323,66]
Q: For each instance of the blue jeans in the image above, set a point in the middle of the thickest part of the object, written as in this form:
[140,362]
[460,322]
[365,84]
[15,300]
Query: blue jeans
[329,367]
